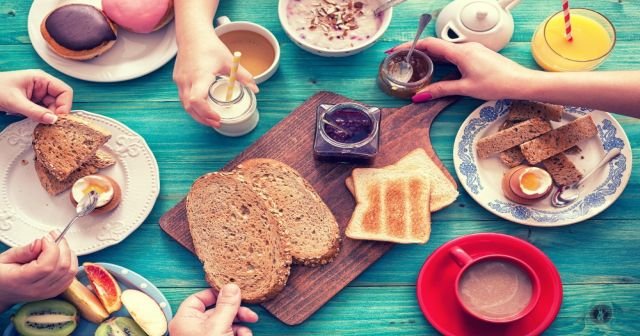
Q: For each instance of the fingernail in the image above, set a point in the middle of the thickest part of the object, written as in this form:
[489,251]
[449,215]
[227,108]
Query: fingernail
[231,289]
[389,50]
[421,97]
[32,247]
[49,118]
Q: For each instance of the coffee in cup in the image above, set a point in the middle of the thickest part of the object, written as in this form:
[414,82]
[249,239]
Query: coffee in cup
[495,288]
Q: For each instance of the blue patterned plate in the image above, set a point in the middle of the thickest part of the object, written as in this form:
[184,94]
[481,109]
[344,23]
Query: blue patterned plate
[127,279]
[482,178]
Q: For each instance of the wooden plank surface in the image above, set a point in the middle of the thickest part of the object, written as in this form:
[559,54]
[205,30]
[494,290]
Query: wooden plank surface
[597,260]
[291,142]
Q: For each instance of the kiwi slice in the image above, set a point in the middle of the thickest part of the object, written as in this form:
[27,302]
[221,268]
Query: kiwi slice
[46,318]
[120,326]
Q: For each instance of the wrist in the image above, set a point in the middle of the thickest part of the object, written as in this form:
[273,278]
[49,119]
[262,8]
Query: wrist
[534,81]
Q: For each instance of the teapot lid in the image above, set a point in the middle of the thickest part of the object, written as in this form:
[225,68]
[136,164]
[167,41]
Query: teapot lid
[480,16]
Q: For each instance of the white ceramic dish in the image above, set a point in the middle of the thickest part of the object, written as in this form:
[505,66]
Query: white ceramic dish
[225,25]
[282,14]
[28,212]
[482,178]
[126,279]
[132,56]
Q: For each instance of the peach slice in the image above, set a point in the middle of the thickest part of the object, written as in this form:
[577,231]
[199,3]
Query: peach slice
[105,286]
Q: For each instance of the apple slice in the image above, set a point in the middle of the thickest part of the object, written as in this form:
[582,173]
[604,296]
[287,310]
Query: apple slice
[145,311]
[105,286]
[87,303]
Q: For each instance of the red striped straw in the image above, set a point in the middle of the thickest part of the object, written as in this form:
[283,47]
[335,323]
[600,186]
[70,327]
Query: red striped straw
[567,20]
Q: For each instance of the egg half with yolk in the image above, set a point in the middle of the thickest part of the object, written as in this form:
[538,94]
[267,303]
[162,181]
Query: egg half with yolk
[526,185]
[96,183]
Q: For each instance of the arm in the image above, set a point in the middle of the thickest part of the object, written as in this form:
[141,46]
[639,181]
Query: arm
[488,75]
[201,56]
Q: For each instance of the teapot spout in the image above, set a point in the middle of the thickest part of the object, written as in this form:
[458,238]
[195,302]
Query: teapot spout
[508,4]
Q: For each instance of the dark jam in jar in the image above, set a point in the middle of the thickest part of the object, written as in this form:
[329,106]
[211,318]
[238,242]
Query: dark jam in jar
[357,124]
[347,132]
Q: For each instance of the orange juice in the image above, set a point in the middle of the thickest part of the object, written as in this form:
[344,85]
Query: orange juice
[593,40]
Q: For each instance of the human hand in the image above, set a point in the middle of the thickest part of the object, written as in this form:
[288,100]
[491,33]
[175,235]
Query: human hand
[193,318]
[37,271]
[485,74]
[34,94]
[201,57]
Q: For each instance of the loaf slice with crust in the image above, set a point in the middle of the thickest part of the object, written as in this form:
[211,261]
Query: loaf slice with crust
[562,170]
[64,146]
[314,235]
[559,140]
[236,237]
[511,137]
[53,186]
[392,206]
[521,110]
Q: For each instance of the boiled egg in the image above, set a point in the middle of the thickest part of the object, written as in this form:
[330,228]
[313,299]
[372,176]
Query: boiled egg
[101,185]
[531,182]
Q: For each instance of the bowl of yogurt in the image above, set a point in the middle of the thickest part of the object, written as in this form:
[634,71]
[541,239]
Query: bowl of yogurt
[333,28]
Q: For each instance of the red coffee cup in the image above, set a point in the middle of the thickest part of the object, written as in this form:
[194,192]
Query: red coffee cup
[509,287]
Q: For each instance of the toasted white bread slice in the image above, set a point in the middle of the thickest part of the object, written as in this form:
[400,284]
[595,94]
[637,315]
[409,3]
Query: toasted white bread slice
[443,192]
[391,206]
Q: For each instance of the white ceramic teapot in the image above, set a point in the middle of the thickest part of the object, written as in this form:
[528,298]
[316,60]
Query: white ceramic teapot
[485,21]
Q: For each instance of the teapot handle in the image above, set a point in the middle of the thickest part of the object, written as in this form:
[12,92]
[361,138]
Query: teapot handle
[445,36]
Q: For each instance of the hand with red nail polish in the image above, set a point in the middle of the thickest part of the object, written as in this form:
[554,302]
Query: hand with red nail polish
[38,271]
[193,317]
[34,94]
[485,73]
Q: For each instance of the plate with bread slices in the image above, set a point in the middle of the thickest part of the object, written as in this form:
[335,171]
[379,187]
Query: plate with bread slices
[512,156]
[105,299]
[103,40]
[47,169]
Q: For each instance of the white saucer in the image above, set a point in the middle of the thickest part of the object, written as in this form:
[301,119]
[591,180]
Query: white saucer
[482,178]
[132,56]
[28,212]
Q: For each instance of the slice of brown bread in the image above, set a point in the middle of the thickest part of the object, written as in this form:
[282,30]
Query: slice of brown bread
[314,235]
[559,140]
[511,137]
[54,187]
[236,237]
[64,146]
[562,170]
[522,110]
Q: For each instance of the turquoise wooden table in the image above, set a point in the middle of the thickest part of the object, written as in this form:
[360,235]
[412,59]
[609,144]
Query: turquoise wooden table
[598,259]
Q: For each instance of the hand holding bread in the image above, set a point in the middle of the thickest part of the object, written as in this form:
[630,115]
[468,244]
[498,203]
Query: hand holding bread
[34,94]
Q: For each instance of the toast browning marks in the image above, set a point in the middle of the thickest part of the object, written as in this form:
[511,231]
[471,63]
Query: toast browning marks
[313,232]
[559,140]
[391,206]
[521,110]
[236,237]
[64,146]
[53,186]
[511,137]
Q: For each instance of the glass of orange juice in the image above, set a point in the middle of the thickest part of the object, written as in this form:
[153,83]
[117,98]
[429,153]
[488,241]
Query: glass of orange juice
[593,39]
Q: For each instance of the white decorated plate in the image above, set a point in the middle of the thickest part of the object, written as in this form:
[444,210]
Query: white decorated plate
[132,56]
[482,178]
[126,279]
[28,212]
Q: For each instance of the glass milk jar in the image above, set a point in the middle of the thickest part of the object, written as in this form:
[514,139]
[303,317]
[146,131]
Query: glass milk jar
[239,115]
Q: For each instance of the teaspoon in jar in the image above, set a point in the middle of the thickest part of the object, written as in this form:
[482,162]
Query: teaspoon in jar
[403,70]
[338,127]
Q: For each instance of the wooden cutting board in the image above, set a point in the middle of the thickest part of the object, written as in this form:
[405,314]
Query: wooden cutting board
[291,141]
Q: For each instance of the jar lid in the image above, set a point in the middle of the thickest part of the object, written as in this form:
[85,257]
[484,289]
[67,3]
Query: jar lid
[480,16]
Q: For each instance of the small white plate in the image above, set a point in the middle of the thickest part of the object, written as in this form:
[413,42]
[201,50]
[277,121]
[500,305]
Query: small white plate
[482,178]
[132,56]
[28,212]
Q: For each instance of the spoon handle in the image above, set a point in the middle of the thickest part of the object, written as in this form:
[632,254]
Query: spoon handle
[610,156]
[424,21]
[387,5]
[66,228]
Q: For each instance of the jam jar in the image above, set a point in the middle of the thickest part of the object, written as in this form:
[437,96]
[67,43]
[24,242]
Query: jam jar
[347,132]
[390,80]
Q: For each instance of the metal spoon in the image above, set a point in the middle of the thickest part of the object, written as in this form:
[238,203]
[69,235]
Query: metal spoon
[566,195]
[386,5]
[340,128]
[403,70]
[86,206]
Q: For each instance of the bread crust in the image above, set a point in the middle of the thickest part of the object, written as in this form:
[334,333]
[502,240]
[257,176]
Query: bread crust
[82,55]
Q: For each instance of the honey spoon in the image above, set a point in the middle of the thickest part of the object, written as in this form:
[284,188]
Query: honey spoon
[566,195]
[86,205]
[386,5]
[404,70]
